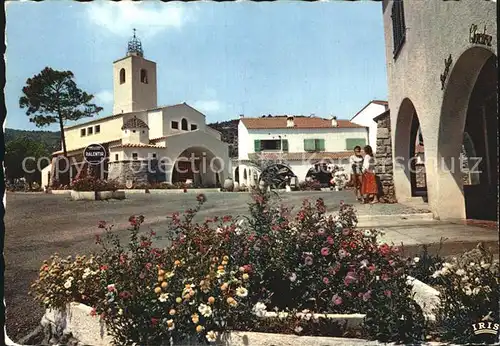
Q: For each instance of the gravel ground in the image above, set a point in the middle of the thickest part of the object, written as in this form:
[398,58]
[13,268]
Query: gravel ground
[38,225]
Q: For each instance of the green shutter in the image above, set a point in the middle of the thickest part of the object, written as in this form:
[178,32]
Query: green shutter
[309,145]
[285,145]
[320,145]
[350,143]
[256,145]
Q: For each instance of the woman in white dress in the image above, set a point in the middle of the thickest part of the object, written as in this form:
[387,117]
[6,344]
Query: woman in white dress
[356,163]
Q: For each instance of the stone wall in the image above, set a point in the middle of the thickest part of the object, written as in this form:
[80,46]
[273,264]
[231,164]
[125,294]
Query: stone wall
[383,157]
[420,176]
[121,171]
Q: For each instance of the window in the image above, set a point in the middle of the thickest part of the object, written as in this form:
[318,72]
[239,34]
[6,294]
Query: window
[194,127]
[314,145]
[134,156]
[175,125]
[122,76]
[90,130]
[82,132]
[350,143]
[153,155]
[116,157]
[144,76]
[133,131]
[398,26]
[97,128]
[184,124]
[270,145]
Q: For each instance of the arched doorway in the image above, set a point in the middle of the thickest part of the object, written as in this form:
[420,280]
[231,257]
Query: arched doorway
[321,173]
[198,165]
[409,167]
[467,144]
[237,174]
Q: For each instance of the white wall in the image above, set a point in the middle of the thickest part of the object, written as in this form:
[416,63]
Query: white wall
[155,123]
[335,138]
[179,112]
[365,118]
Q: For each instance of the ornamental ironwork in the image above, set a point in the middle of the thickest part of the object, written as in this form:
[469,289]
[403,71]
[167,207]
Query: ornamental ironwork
[135,46]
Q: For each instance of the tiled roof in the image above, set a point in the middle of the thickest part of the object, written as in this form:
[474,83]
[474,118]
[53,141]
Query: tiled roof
[82,148]
[380,102]
[135,123]
[301,156]
[154,140]
[137,145]
[301,122]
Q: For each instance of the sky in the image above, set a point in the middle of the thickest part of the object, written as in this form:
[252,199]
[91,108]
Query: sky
[224,59]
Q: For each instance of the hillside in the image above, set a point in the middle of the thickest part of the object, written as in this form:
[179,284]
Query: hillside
[51,140]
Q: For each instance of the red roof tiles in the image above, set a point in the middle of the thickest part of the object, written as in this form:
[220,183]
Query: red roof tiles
[301,122]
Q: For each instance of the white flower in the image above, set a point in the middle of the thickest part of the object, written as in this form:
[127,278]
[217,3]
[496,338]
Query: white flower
[298,329]
[240,222]
[416,259]
[468,291]
[293,277]
[364,264]
[219,230]
[477,280]
[170,324]
[465,278]
[211,336]
[163,297]
[460,272]
[86,273]
[241,292]
[205,310]
[476,291]
[307,315]
[282,315]
[445,271]
[259,309]
[367,233]
[485,265]
[472,264]
[111,287]
[67,284]
[436,274]
[120,312]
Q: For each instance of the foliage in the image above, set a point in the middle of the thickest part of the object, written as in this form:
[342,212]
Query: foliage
[426,264]
[53,97]
[16,163]
[51,141]
[228,270]
[309,185]
[90,183]
[469,293]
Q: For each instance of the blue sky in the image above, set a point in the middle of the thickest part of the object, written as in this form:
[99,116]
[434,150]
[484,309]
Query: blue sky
[224,59]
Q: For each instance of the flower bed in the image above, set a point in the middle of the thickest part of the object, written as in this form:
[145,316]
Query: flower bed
[221,274]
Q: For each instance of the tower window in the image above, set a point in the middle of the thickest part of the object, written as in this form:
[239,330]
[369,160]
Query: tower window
[184,125]
[122,76]
[144,76]
[153,155]
[175,125]
[134,156]
[194,127]
[116,157]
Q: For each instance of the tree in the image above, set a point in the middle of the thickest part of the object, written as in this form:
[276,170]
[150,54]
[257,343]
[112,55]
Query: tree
[16,152]
[53,97]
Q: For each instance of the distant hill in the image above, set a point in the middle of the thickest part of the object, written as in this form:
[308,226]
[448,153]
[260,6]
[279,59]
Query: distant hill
[50,140]
[229,134]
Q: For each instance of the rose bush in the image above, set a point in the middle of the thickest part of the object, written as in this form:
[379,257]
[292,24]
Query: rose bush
[90,183]
[222,273]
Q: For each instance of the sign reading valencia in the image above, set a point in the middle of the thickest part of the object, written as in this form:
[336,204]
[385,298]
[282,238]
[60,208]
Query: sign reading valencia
[94,154]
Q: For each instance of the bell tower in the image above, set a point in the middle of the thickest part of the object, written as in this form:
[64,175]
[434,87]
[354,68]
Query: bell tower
[134,80]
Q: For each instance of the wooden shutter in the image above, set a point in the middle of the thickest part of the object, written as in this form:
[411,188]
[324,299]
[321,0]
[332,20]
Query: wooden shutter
[284,145]
[309,145]
[320,145]
[350,143]
[256,145]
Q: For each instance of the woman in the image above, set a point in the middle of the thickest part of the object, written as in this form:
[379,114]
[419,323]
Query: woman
[369,183]
[356,163]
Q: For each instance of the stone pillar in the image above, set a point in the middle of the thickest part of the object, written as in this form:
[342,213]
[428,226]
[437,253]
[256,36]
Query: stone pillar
[383,157]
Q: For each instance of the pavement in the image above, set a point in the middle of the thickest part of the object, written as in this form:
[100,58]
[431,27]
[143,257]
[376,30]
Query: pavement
[38,225]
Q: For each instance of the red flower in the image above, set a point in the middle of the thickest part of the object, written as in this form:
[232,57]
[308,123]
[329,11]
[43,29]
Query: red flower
[330,240]
[148,266]
[326,281]
[104,267]
[154,321]
[384,249]
[388,293]
[226,218]
[325,251]
[125,295]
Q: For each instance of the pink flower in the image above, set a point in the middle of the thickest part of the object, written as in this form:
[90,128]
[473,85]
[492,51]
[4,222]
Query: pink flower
[346,231]
[336,300]
[388,293]
[367,296]
[350,277]
[329,240]
[308,261]
[325,251]
[326,281]
[321,231]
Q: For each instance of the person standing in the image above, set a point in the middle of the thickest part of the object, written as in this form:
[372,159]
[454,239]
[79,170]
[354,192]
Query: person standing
[369,187]
[356,163]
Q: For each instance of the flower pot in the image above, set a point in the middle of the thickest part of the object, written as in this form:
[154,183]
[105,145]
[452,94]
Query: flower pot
[228,184]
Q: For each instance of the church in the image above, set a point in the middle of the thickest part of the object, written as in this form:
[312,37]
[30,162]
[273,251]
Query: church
[143,142]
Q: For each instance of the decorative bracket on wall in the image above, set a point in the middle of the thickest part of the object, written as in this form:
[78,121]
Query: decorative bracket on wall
[444,75]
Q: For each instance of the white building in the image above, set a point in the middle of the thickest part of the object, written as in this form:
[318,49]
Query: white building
[144,142]
[365,118]
[298,142]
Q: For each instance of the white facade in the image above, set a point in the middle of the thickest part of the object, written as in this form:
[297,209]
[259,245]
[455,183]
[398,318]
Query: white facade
[365,118]
[139,131]
[335,144]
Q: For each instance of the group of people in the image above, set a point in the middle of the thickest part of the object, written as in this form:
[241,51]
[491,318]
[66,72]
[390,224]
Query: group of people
[363,175]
